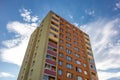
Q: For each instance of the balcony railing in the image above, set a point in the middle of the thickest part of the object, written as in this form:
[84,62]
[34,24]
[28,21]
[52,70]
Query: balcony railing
[51,61]
[52,44]
[50,72]
[52,52]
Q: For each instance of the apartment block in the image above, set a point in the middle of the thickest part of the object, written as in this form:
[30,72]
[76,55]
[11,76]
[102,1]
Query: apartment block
[58,50]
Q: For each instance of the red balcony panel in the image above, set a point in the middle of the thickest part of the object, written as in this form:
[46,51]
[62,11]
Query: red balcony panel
[92,63]
[52,44]
[50,72]
[93,69]
[50,61]
[52,52]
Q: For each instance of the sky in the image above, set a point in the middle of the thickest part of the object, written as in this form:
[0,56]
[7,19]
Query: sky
[98,18]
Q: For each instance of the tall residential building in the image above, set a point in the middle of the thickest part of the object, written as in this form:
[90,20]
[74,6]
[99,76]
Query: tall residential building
[58,50]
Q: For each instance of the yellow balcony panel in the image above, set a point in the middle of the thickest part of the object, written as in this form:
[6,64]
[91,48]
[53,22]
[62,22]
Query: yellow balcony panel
[53,38]
[56,17]
[55,26]
[89,51]
[54,32]
[90,57]
[87,41]
[55,21]
[86,36]
[88,45]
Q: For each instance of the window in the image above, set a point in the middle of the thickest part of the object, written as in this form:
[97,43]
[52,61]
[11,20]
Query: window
[76,43]
[51,57]
[54,29]
[93,67]
[68,39]
[84,65]
[78,69]
[69,66]
[69,58]
[53,68]
[33,63]
[75,38]
[85,72]
[67,29]
[78,62]
[45,77]
[60,63]
[60,72]
[69,75]
[31,72]
[50,67]
[68,45]
[61,54]
[91,60]
[47,66]
[61,30]
[76,49]
[61,35]
[83,58]
[68,51]
[75,33]
[68,34]
[83,52]
[79,78]
[90,54]
[61,41]
[77,55]
[61,47]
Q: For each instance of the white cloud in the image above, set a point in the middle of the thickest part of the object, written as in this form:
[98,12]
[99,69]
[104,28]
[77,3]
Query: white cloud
[6,75]
[103,34]
[76,24]
[70,16]
[26,14]
[118,5]
[82,17]
[23,29]
[15,48]
[34,18]
[90,12]
[10,43]
[108,75]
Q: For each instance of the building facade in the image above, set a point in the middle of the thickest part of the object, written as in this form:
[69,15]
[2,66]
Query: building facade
[57,50]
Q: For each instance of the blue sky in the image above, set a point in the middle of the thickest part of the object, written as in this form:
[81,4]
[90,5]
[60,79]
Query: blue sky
[99,18]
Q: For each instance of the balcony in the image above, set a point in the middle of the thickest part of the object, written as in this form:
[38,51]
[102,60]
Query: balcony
[52,44]
[51,61]
[50,72]
[52,52]
[53,36]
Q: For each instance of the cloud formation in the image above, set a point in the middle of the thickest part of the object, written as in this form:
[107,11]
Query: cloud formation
[104,35]
[6,75]
[90,12]
[14,48]
[70,16]
[118,5]
[26,14]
